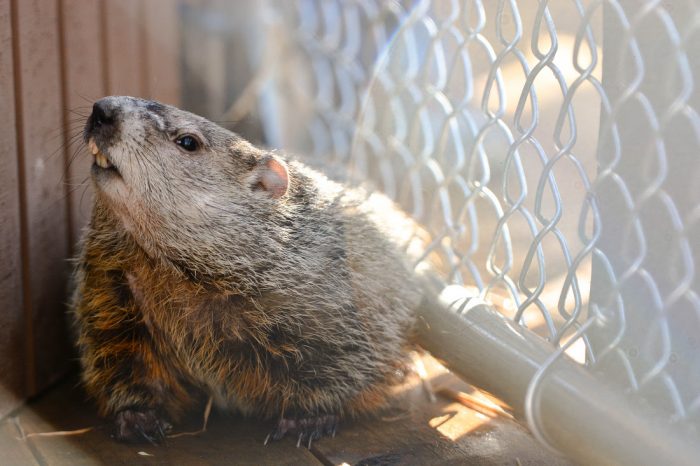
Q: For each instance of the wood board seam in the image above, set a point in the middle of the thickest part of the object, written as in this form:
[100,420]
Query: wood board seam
[30,374]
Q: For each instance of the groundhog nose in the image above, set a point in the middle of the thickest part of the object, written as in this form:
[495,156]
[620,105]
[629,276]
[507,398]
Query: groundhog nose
[102,114]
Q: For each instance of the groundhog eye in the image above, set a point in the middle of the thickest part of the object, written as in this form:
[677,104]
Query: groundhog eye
[189,143]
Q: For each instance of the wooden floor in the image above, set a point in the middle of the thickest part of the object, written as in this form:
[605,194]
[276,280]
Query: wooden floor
[413,432]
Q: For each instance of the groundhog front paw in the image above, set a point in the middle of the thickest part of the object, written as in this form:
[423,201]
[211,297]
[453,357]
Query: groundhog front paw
[140,425]
[307,429]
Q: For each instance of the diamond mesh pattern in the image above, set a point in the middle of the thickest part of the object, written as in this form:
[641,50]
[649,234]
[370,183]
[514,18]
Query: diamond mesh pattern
[551,149]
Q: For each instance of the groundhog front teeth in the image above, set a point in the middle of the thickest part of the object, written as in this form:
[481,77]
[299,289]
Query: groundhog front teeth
[93,147]
[102,160]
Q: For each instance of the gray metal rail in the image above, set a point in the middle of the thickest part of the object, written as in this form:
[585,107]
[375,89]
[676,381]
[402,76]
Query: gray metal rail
[578,413]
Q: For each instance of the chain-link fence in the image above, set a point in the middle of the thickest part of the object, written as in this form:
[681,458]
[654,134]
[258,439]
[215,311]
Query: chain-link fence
[550,148]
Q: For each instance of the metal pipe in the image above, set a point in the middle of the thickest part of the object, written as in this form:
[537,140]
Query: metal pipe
[580,415]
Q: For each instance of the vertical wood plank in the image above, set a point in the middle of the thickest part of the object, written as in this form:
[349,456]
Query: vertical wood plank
[162,45]
[83,83]
[122,33]
[11,307]
[42,186]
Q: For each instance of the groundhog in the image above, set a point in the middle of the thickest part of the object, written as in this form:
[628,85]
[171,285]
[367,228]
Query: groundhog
[214,268]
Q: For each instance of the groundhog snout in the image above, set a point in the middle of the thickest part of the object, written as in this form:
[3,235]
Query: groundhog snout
[102,114]
[103,120]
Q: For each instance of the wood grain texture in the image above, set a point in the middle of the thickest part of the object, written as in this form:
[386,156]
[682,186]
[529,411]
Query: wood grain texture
[126,57]
[43,193]
[162,46]
[12,356]
[415,432]
[14,450]
[83,83]
[228,440]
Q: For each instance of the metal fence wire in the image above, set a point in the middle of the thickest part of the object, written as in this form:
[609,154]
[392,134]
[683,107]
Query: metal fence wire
[551,149]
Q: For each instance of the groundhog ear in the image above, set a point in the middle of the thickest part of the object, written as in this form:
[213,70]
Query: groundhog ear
[273,176]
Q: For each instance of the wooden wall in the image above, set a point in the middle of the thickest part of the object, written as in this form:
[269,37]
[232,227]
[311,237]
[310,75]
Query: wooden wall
[56,58]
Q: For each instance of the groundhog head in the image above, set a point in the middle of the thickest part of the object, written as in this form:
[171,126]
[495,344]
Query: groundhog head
[180,183]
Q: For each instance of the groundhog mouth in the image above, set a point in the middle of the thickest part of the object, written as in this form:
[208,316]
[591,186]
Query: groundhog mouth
[101,159]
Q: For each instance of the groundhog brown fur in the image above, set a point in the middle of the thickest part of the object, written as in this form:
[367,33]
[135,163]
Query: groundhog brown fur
[214,268]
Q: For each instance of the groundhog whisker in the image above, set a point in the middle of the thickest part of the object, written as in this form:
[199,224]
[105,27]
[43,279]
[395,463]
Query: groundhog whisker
[77,149]
[77,118]
[68,140]
[83,112]
[86,187]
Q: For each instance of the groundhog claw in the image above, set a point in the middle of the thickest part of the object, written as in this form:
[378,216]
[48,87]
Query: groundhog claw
[308,429]
[137,426]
